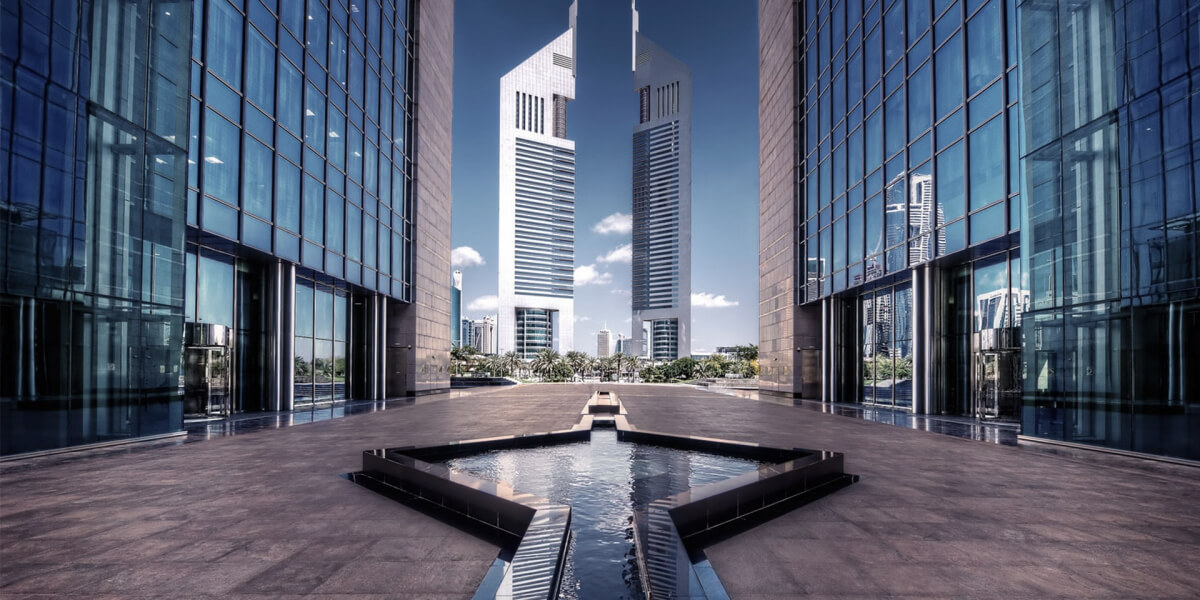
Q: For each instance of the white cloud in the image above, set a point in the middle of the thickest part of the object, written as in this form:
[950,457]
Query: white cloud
[620,254]
[588,275]
[465,256]
[620,292]
[707,300]
[488,303]
[579,319]
[615,223]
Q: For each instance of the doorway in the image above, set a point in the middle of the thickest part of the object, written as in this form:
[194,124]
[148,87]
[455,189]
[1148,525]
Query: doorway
[207,359]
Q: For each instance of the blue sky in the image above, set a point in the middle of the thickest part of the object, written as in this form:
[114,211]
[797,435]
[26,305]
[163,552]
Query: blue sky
[718,41]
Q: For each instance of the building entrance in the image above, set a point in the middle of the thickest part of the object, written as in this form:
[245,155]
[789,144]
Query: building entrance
[207,359]
[997,383]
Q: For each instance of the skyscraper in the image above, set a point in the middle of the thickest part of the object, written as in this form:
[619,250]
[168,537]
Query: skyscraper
[456,337]
[252,222]
[537,201]
[662,202]
[483,335]
[943,232]
[604,343]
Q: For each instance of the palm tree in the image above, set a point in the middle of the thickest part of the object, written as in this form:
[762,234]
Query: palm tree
[578,361]
[509,362]
[543,362]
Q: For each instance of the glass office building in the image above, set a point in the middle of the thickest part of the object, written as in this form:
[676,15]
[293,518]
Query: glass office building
[1112,138]
[93,148]
[991,207]
[233,222]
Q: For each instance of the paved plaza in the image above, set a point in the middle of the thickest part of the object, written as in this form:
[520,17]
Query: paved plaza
[267,515]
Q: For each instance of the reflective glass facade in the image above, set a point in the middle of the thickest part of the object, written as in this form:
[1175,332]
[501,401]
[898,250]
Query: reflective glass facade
[907,141]
[1112,91]
[195,230]
[907,201]
[93,124]
[976,238]
[301,134]
[535,331]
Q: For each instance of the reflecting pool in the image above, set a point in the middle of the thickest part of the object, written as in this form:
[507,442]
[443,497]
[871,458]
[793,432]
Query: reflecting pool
[604,481]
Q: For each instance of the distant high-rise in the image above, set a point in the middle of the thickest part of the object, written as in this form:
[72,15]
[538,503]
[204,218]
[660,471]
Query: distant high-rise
[662,202]
[465,329]
[604,343]
[537,201]
[456,337]
[483,335]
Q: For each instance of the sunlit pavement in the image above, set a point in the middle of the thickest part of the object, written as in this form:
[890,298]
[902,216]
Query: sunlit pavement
[264,513]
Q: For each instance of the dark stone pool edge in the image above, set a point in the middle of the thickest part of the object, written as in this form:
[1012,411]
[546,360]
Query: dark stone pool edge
[670,534]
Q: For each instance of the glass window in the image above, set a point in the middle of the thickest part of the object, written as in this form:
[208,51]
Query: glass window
[337,138]
[215,287]
[354,156]
[919,111]
[985,47]
[291,90]
[988,224]
[256,191]
[874,225]
[221,159]
[874,140]
[854,156]
[318,20]
[893,34]
[871,51]
[985,105]
[291,14]
[854,236]
[950,183]
[334,206]
[304,309]
[323,309]
[918,18]
[894,123]
[949,65]
[337,55]
[314,118]
[354,232]
[369,245]
[224,42]
[287,195]
[987,164]
[314,210]
[260,71]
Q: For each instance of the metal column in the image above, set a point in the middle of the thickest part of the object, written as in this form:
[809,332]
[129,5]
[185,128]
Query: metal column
[283,325]
[925,339]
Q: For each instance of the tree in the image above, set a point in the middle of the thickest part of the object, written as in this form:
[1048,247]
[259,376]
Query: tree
[510,363]
[715,366]
[748,352]
[680,369]
[578,362]
[543,362]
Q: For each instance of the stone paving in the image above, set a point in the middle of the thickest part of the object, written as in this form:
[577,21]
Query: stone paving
[266,515]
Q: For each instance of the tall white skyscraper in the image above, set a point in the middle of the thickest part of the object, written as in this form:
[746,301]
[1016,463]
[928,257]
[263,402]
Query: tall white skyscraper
[662,202]
[604,343]
[537,201]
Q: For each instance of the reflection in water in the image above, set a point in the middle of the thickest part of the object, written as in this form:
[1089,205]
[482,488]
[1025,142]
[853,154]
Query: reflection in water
[605,482]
